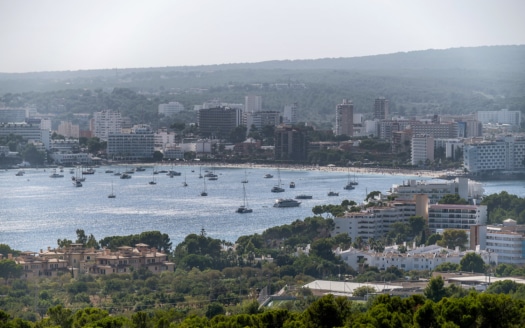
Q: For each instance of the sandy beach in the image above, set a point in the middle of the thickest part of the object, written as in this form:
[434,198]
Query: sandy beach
[329,168]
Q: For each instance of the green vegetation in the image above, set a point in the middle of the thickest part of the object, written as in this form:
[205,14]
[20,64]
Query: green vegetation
[503,206]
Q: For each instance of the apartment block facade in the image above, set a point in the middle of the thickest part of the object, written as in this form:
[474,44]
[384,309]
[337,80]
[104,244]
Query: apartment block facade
[344,118]
[503,154]
[218,122]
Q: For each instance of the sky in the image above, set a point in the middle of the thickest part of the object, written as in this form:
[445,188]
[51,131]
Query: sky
[59,35]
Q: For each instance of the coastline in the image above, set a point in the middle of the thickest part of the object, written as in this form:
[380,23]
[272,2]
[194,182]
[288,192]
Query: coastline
[299,167]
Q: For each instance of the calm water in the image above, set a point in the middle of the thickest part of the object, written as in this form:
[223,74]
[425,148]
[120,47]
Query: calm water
[36,210]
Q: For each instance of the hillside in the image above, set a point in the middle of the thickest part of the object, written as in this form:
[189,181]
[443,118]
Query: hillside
[459,80]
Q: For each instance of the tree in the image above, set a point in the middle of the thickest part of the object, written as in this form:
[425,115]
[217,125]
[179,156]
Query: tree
[363,291]
[322,248]
[435,289]
[9,269]
[238,134]
[452,199]
[417,224]
[472,262]
[433,239]
[214,309]
[453,238]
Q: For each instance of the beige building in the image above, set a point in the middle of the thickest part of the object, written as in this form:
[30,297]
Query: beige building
[76,259]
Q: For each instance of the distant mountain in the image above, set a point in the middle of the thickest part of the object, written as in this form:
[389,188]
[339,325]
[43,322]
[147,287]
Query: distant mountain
[458,80]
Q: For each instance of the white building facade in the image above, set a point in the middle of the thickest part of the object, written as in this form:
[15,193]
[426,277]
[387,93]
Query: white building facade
[422,149]
[171,108]
[504,154]
[105,123]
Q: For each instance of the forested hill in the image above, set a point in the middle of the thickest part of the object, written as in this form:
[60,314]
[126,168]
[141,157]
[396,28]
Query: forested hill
[459,80]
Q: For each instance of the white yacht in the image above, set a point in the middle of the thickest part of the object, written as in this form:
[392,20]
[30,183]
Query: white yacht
[286,202]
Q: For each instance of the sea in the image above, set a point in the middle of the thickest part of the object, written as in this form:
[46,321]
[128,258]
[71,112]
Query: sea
[37,210]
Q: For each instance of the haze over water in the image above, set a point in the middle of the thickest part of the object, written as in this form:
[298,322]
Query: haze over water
[36,210]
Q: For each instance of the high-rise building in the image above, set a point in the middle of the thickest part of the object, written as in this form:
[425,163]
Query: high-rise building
[105,123]
[381,109]
[290,144]
[171,108]
[344,118]
[422,149]
[68,129]
[138,145]
[218,122]
[252,104]
[290,114]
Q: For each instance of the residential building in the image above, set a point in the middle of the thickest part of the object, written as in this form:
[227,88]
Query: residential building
[290,144]
[290,114]
[416,258]
[68,129]
[388,127]
[401,141]
[77,259]
[25,130]
[70,159]
[138,145]
[252,104]
[344,118]
[262,118]
[374,222]
[381,109]
[503,154]
[506,241]
[436,130]
[435,189]
[470,129]
[171,109]
[504,116]
[452,216]
[13,115]
[105,123]
[422,149]
[218,122]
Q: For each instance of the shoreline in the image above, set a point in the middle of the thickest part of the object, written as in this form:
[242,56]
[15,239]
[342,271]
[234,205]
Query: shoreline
[360,170]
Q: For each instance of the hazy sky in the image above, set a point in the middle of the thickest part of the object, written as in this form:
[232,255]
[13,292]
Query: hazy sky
[51,35]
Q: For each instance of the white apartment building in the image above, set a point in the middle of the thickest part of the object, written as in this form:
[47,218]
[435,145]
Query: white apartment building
[290,114]
[252,104]
[422,149]
[504,154]
[105,123]
[450,216]
[422,258]
[504,116]
[171,108]
[506,241]
[344,118]
[374,222]
[435,189]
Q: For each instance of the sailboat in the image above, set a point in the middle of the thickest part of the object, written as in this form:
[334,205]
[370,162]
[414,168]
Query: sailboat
[354,182]
[184,184]
[349,185]
[112,195]
[204,192]
[277,187]
[244,207]
[153,181]
[245,178]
